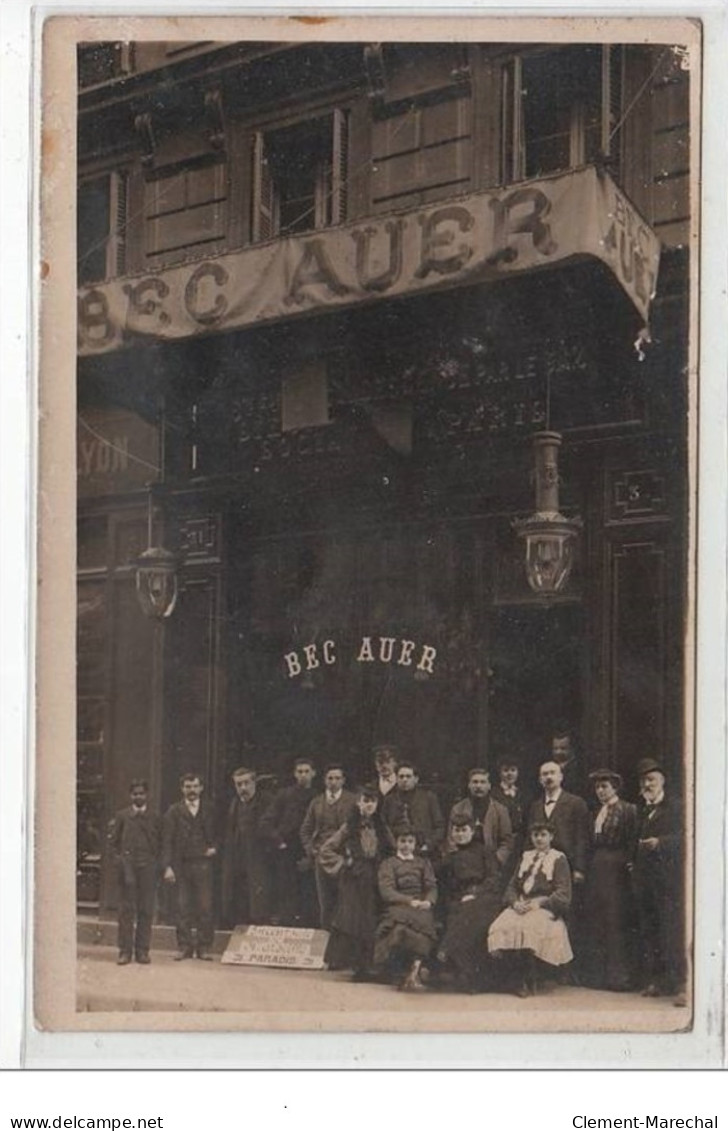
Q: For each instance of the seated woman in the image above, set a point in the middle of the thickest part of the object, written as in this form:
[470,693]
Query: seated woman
[406,933]
[470,878]
[354,853]
[538,897]
[609,915]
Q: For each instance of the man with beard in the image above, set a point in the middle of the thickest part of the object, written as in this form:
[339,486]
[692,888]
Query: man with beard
[294,890]
[658,886]
[490,819]
[246,879]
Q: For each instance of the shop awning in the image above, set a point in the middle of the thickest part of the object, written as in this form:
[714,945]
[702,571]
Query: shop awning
[476,238]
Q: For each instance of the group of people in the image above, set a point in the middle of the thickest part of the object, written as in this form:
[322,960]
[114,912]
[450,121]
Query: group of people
[505,889]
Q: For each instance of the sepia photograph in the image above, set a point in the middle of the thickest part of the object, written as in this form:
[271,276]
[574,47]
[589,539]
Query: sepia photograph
[384,395]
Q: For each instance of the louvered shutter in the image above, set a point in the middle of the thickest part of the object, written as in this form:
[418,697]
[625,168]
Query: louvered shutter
[340,166]
[264,219]
[612,71]
[118,214]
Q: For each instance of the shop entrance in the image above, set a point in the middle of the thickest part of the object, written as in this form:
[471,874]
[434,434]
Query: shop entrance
[537,681]
[391,634]
[356,637]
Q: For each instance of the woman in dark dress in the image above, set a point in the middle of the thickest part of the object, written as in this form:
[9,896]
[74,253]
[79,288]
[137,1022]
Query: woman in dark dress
[608,912]
[354,853]
[406,933]
[470,877]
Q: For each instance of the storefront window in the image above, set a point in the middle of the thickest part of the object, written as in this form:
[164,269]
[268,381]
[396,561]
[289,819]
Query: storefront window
[91,674]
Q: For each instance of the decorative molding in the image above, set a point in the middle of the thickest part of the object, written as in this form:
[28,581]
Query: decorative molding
[145,130]
[215,118]
[375,72]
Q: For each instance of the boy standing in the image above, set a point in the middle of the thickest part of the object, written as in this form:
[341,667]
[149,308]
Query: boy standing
[188,852]
[135,840]
[325,816]
[295,894]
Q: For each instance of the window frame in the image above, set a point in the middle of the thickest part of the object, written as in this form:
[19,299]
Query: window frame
[153,253]
[513,155]
[116,238]
[329,193]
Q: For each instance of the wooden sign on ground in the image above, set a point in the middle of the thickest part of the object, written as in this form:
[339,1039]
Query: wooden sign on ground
[299,948]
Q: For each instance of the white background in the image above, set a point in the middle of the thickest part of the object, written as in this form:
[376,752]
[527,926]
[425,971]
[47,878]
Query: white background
[185,1099]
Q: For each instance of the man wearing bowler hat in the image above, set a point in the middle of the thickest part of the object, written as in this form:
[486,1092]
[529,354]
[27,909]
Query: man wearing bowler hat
[658,885]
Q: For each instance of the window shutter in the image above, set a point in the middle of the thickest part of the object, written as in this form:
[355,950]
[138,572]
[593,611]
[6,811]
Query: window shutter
[264,220]
[340,166]
[513,150]
[118,213]
[612,70]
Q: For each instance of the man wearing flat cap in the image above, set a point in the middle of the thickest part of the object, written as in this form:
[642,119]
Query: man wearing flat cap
[658,885]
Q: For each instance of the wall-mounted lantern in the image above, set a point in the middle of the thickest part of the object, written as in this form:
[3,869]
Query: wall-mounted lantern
[549,536]
[156,574]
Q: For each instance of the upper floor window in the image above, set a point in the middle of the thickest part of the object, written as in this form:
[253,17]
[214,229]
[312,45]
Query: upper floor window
[422,153]
[560,109]
[300,176]
[101,227]
[185,208]
[422,127]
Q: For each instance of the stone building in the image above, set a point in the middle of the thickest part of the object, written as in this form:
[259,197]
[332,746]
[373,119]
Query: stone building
[328,294]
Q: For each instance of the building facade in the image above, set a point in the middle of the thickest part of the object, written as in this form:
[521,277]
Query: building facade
[327,295]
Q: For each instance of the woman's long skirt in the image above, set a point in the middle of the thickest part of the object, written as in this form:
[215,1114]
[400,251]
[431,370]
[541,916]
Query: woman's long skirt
[609,945]
[538,931]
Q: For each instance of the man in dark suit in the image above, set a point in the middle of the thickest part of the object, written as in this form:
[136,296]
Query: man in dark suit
[325,816]
[569,816]
[386,758]
[564,753]
[658,886]
[295,902]
[188,850]
[246,871]
[135,839]
[410,804]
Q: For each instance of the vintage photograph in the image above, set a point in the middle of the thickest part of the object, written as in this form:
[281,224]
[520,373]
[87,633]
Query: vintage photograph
[385,394]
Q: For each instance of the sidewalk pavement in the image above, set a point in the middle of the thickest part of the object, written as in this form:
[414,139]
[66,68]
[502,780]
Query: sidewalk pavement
[208,987]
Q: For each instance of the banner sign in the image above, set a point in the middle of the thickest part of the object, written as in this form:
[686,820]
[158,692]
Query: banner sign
[299,948]
[476,238]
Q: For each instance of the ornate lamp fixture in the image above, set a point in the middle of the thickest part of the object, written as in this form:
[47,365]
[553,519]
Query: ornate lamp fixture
[156,574]
[548,535]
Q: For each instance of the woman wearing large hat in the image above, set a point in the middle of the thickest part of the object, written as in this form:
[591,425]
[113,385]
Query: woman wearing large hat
[608,911]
